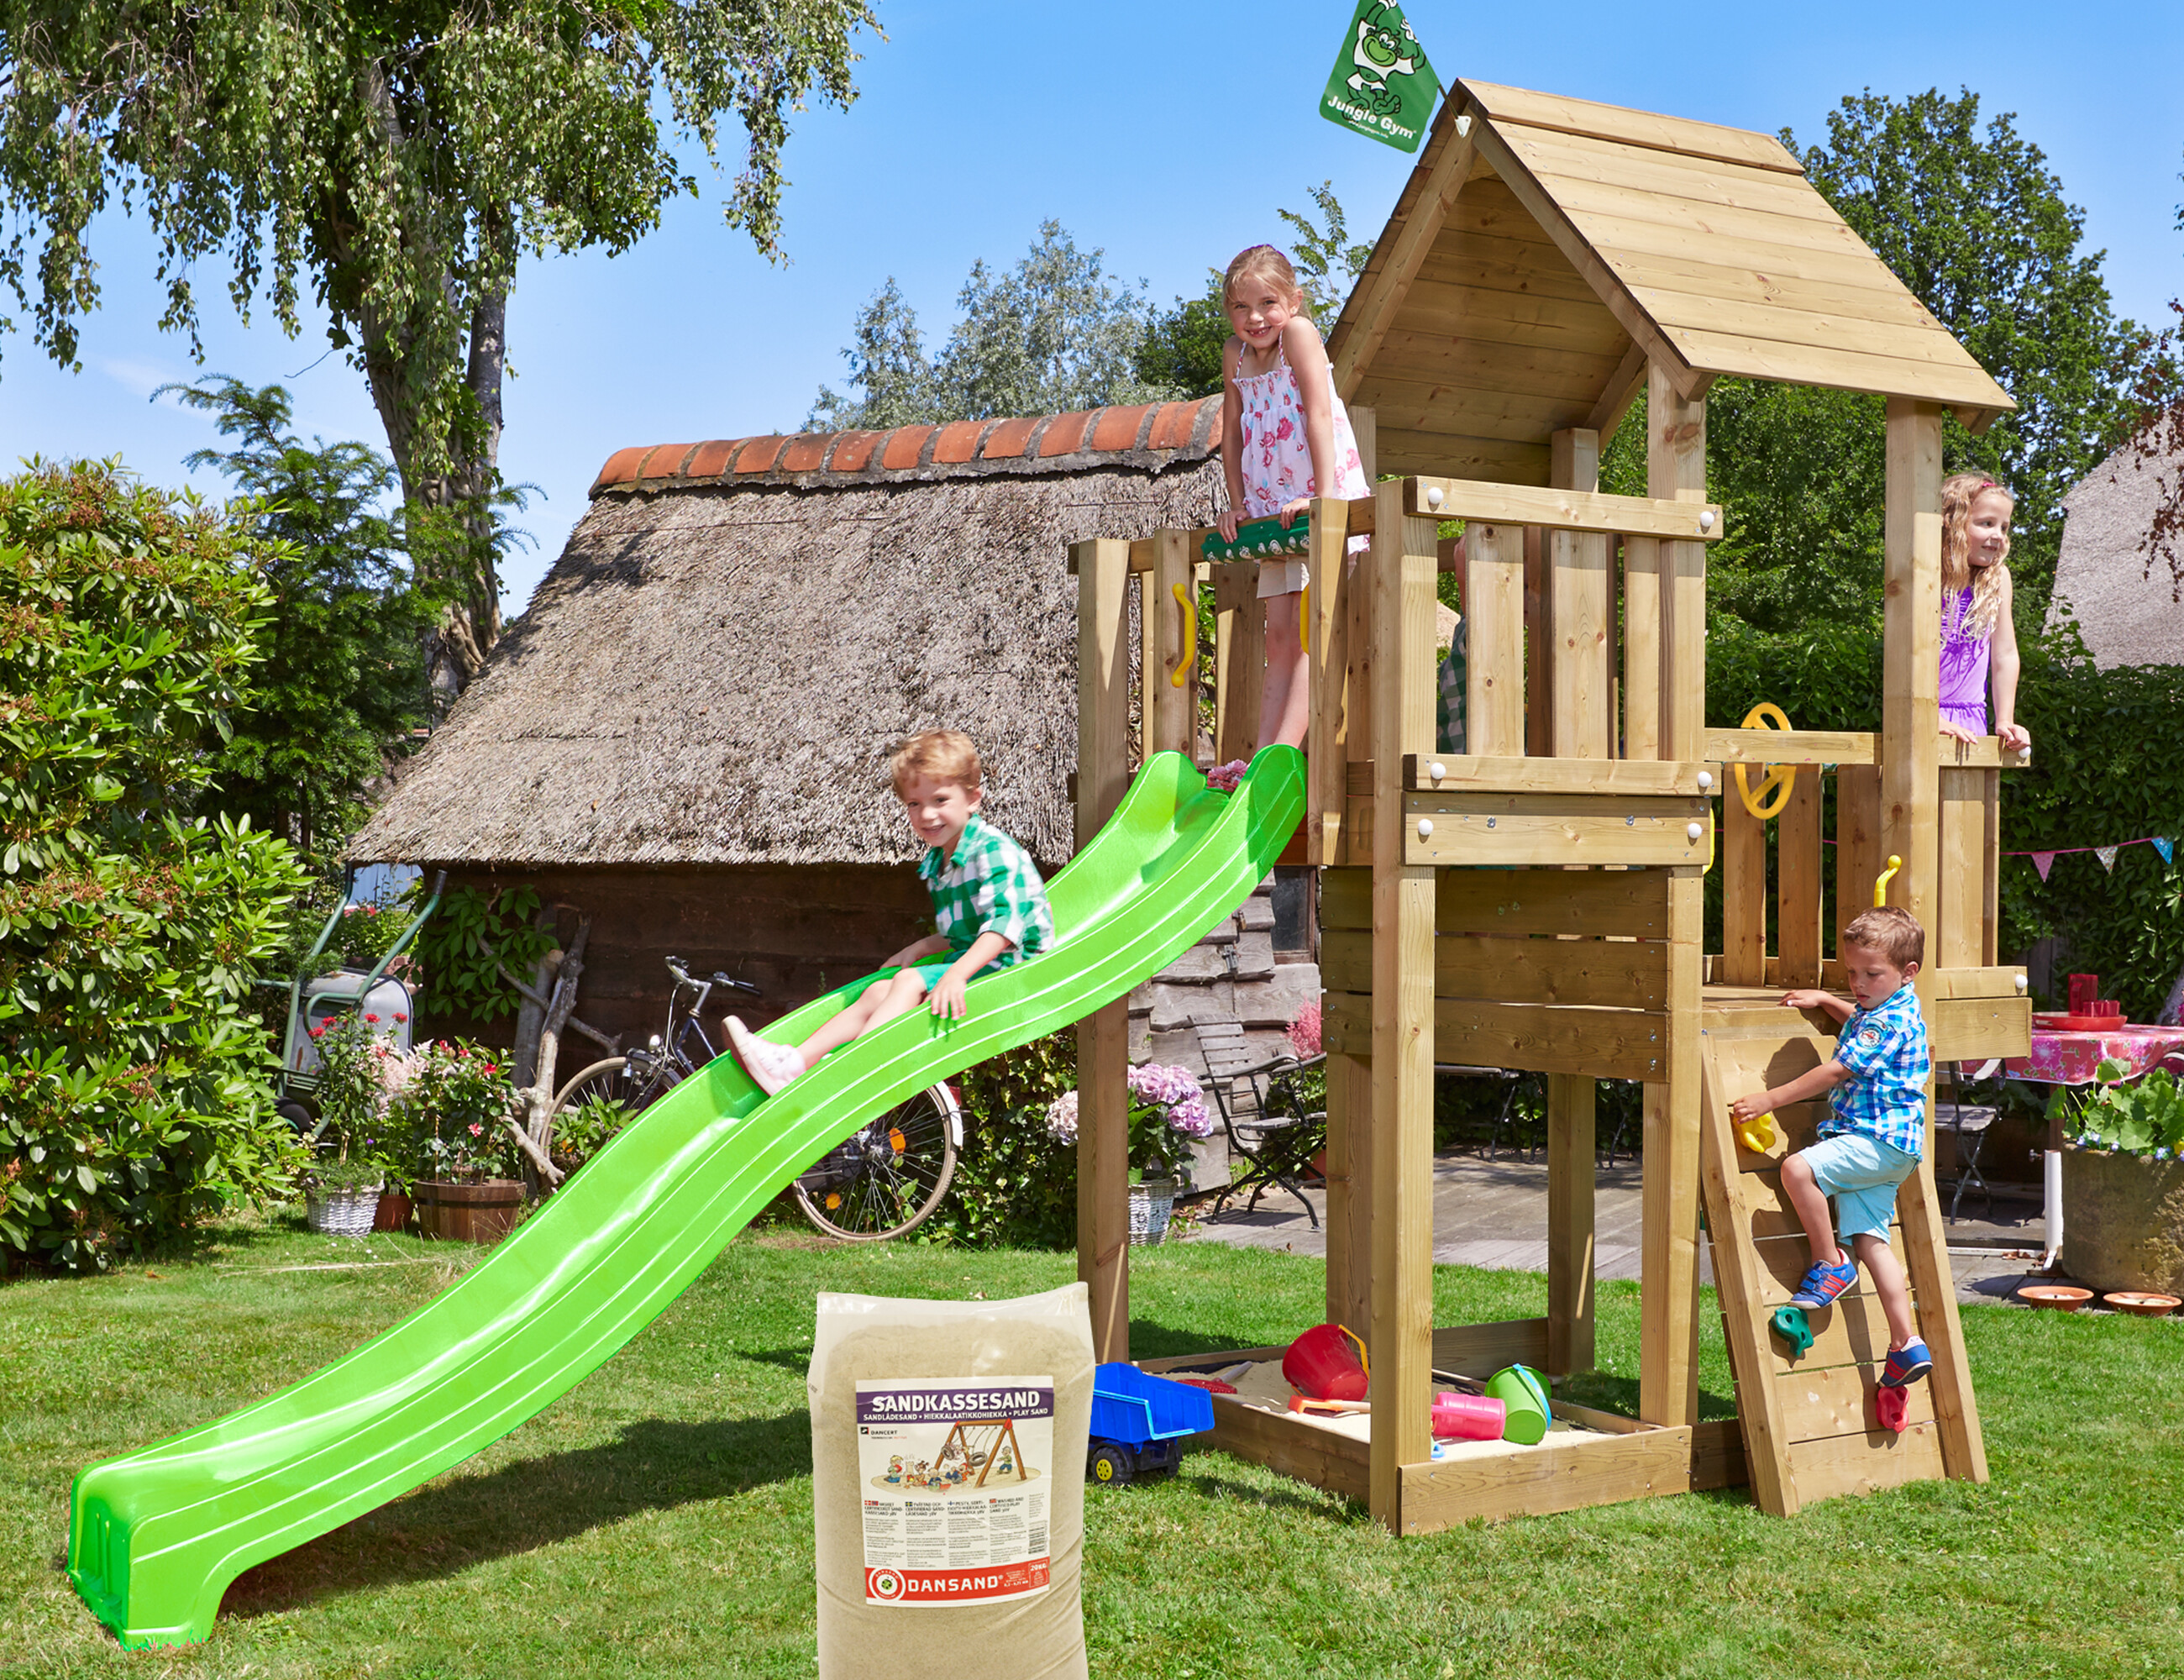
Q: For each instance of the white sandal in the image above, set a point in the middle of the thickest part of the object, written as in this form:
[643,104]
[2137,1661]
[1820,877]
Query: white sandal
[770,1065]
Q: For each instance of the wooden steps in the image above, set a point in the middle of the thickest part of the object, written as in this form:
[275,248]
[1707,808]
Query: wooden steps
[1810,1427]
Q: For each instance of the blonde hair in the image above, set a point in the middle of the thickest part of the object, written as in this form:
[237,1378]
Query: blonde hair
[944,754]
[1263,262]
[1890,930]
[1957,495]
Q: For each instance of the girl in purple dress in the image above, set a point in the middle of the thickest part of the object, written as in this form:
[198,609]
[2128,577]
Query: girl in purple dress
[1978,639]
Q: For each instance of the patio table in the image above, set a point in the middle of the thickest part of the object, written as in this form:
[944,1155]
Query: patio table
[2067,1058]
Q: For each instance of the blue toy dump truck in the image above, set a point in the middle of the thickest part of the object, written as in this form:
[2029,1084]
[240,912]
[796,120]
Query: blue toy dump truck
[1139,1423]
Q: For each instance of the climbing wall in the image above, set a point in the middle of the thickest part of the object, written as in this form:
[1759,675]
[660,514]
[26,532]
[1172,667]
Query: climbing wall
[1811,1428]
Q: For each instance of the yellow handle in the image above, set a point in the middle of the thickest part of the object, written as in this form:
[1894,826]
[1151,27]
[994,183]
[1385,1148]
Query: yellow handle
[1177,676]
[1779,779]
[1880,883]
[1364,1363]
[1304,620]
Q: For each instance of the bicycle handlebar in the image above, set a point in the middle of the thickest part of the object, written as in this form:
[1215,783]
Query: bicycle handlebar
[676,967]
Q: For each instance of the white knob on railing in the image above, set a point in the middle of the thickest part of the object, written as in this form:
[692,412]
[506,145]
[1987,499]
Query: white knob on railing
[1434,496]
[1436,769]
[1705,780]
[2022,982]
[1706,520]
[1694,833]
[1425,826]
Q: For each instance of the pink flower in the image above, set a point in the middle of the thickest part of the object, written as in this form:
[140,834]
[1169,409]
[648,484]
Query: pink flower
[318,1032]
[490,1068]
[477,1131]
[371,1020]
[1286,429]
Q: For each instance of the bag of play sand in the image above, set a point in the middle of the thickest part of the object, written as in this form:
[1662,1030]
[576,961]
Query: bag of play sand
[948,1442]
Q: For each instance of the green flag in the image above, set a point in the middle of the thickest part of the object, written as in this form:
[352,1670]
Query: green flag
[1382,85]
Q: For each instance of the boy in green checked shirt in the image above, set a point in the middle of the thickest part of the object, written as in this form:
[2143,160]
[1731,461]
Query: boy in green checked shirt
[989,906]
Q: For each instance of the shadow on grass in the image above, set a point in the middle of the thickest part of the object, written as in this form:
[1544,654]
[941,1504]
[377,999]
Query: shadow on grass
[655,1464]
[1620,1395]
[1159,1341]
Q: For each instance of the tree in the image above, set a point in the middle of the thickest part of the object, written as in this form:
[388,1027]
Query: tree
[1976,226]
[341,683]
[1183,348]
[1051,335]
[2153,369]
[396,156]
[134,1090]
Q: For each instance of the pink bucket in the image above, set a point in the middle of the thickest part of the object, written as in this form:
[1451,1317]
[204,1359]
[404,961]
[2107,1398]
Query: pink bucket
[1466,1418]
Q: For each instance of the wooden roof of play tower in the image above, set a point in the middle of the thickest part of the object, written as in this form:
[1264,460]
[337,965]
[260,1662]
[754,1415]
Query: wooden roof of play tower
[1537,259]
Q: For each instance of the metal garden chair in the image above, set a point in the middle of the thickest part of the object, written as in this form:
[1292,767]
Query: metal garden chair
[1262,1112]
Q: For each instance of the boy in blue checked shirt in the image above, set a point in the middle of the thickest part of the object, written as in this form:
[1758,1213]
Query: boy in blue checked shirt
[989,906]
[1875,1130]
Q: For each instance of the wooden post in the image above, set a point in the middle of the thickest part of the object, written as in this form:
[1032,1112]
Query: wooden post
[1328,658]
[1798,884]
[1240,660]
[1857,842]
[1171,709]
[1668,1352]
[1960,940]
[1910,809]
[1576,710]
[1403,566]
[1103,567]
[1494,602]
[1743,893]
[1540,648]
[1642,621]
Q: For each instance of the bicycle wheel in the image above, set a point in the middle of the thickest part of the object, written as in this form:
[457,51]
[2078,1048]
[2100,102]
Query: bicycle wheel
[604,1098]
[887,1176]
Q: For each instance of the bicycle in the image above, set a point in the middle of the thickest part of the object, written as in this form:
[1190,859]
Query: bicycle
[883,1181]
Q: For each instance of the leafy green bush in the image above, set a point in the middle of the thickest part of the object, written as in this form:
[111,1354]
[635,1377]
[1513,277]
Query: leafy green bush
[135,1093]
[1016,1182]
[464,947]
[2143,1118]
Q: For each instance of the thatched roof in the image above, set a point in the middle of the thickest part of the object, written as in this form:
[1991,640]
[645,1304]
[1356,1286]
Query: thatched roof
[2102,576]
[1544,248]
[739,631]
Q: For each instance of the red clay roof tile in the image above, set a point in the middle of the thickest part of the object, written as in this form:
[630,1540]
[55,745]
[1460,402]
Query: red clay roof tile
[806,453]
[758,454]
[958,442]
[712,458]
[1064,435]
[1118,428]
[1007,440]
[622,466]
[1173,426]
[903,448]
[853,450]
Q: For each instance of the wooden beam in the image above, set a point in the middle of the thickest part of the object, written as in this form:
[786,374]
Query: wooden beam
[1240,619]
[1579,610]
[1788,746]
[1103,729]
[1599,1043]
[1403,563]
[1494,602]
[1675,471]
[1328,657]
[1620,391]
[1475,499]
[1469,773]
[1570,1142]
[1958,937]
[1858,861]
[1481,1350]
[1519,829]
[1678,137]
[1642,624]
[1365,321]
[1172,725]
[1798,884]
[1607,973]
[1568,1470]
[1743,896]
[1972,1029]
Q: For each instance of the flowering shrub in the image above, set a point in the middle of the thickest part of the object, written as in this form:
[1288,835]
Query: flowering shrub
[1167,1105]
[1304,1032]
[458,1098]
[2146,1118]
[355,1094]
[365,933]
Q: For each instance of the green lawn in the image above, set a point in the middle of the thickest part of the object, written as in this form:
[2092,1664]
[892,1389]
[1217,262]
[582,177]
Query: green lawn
[657,1520]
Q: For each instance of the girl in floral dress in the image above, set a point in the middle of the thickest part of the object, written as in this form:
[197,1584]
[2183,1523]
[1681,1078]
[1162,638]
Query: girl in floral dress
[1284,439]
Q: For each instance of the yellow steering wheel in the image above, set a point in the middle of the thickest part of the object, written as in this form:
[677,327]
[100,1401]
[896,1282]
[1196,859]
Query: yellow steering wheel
[1778,780]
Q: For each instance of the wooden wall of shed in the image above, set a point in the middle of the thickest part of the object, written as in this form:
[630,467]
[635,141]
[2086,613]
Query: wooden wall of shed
[795,930]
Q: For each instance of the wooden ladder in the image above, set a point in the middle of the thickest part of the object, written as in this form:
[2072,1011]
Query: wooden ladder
[1810,1427]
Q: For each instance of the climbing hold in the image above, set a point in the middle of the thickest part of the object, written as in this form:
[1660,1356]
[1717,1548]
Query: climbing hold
[1790,1325]
[1757,1135]
[1893,1408]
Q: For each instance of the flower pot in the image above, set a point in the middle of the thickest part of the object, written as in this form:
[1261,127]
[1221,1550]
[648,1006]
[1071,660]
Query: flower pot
[342,1213]
[467,1209]
[393,1213]
[1152,1205]
[2123,1221]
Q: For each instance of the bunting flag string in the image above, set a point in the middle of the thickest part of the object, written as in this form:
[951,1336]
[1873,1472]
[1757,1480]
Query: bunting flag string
[2044,860]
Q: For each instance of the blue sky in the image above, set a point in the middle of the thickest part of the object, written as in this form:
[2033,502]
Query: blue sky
[1167,135]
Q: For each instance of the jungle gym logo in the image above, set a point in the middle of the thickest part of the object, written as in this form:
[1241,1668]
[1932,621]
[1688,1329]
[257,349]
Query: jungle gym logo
[1382,85]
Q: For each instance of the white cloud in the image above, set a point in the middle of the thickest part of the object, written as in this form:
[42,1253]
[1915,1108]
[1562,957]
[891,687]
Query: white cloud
[141,379]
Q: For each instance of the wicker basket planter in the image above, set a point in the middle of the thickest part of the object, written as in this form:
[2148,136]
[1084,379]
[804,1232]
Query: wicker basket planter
[467,1209]
[1152,1205]
[2123,1221]
[343,1213]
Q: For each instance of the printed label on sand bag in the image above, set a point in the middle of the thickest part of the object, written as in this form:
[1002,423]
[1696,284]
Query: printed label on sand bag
[955,1476]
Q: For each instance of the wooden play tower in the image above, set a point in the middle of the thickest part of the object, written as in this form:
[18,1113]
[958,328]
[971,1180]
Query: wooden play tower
[1536,903]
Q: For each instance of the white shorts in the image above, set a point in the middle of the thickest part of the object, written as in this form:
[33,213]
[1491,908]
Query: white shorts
[1286,576]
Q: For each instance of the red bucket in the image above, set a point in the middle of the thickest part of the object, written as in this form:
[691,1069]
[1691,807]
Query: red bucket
[1466,1418]
[1322,1366]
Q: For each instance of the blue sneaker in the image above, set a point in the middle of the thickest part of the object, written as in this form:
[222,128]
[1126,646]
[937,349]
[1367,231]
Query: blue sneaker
[1905,1365]
[1823,1283]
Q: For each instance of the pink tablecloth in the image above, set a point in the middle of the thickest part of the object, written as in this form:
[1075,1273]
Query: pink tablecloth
[2060,1058]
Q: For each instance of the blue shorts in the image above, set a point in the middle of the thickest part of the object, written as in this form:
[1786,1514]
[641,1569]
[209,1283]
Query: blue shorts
[1861,1174]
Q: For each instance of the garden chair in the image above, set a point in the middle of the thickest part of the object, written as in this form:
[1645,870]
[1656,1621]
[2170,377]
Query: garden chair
[1506,1115]
[1262,1113]
[1967,1123]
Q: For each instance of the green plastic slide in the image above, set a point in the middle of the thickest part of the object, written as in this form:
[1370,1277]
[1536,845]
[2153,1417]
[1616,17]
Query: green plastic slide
[156,1536]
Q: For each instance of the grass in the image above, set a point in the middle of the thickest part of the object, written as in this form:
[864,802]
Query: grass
[657,1520]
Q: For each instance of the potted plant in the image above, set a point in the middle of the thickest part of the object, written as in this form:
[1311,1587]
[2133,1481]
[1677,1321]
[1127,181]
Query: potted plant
[2123,1185]
[1167,1108]
[342,1185]
[458,1101]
